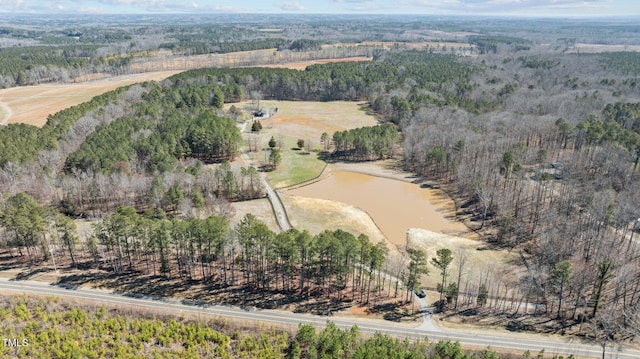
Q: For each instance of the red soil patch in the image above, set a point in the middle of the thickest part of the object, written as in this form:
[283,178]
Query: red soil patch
[304,64]
[359,311]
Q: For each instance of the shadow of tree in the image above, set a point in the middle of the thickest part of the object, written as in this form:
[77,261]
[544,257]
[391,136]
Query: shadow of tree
[28,274]
[201,293]
[394,313]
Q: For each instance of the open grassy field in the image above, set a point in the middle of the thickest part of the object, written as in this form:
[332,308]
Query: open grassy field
[307,121]
[297,165]
[32,104]
[261,208]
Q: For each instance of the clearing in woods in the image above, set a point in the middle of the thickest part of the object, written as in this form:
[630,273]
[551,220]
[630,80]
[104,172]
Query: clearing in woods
[32,104]
[305,120]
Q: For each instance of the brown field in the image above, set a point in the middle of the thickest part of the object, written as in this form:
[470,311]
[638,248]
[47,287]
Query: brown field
[596,48]
[261,208]
[32,104]
[309,119]
[304,64]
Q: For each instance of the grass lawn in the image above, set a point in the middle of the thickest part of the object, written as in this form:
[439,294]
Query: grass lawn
[305,120]
[296,166]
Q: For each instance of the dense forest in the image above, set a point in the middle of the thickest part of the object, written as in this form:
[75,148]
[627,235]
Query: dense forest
[539,146]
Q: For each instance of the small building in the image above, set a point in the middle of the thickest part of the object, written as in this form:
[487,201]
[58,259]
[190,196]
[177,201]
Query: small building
[260,113]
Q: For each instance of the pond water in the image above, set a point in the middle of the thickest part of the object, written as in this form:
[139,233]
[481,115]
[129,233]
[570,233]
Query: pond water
[394,206]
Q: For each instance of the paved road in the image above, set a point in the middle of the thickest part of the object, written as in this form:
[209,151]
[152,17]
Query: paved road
[427,328]
[278,207]
[274,316]
[427,323]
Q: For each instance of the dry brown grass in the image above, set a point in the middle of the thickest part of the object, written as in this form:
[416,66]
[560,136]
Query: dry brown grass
[309,119]
[261,208]
[304,64]
[32,104]
[597,48]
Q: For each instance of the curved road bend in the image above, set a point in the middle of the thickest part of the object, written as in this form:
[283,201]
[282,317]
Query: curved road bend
[273,316]
[278,207]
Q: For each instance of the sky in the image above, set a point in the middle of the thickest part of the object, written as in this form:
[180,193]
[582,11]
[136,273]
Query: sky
[545,8]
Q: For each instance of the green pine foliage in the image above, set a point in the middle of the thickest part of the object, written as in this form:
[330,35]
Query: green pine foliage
[15,60]
[181,114]
[365,143]
[204,43]
[21,142]
[357,81]
[627,62]
[171,124]
[54,328]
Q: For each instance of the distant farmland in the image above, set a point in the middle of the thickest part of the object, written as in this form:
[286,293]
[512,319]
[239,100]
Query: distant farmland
[32,104]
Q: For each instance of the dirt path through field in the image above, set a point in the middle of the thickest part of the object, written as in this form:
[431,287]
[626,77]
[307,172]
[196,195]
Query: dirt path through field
[5,113]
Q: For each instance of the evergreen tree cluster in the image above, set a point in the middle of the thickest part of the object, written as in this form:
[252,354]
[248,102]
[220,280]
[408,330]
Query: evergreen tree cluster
[16,61]
[171,123]
[427,71]
[365,143]
[22,142]
[197,44]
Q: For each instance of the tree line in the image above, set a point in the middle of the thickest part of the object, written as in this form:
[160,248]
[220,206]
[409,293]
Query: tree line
[53,327]
[22,142]
[554,180]
[427,71]
[366,143]
[332,264]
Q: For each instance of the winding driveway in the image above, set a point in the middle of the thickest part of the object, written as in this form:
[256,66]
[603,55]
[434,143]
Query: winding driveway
[276,203]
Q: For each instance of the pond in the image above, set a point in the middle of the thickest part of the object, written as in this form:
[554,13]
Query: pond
[395,206]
